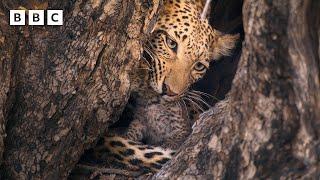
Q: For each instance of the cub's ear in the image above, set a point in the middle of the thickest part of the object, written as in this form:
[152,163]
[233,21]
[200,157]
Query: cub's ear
[223,44]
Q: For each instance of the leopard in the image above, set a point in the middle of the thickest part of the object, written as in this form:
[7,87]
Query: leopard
[176,55]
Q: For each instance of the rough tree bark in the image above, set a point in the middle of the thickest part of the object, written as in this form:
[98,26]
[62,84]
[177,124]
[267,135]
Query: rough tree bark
[60,87]
[269,126]
[6,74]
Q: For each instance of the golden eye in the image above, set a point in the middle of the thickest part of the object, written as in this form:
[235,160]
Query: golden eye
[200,66]
[171,44]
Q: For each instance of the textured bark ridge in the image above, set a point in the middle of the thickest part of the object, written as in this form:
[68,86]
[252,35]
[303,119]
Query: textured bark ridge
[269,125]
[7,53]
[61,86]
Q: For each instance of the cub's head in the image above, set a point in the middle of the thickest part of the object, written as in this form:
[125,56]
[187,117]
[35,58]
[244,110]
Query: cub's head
[181,47]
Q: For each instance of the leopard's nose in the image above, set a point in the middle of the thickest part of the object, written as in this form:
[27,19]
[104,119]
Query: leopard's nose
[167,91]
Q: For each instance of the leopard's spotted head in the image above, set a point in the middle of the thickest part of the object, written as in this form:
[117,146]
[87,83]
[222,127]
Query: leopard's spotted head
[181,47]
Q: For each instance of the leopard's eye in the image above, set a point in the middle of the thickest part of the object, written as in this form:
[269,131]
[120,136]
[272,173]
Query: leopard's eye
[200,67]
[172,44]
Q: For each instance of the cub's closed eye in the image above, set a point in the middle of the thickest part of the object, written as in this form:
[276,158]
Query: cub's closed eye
[172,44]
[200,66]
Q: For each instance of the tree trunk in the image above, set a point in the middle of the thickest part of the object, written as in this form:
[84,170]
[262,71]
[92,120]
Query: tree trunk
[61,86]
[269,126]
[7,49]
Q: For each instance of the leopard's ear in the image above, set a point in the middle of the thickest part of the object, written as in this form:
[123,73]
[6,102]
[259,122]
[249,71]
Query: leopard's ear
[223,44]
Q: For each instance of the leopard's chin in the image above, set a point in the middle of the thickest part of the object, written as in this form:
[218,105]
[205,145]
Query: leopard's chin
[170,98]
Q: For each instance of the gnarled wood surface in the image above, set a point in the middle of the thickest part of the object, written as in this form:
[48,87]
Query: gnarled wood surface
[61,86]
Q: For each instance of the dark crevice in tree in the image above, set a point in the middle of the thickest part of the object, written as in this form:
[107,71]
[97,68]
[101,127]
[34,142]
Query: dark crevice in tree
[226,16]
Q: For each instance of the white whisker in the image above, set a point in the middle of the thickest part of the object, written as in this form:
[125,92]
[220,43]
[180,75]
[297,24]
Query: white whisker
[184,104]
[198,98]
[205,10]
[184,107]
[194,103]
[177,103]
[149,69]
[206,95]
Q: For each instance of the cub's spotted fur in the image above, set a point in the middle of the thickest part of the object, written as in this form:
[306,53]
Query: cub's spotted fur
[177,54]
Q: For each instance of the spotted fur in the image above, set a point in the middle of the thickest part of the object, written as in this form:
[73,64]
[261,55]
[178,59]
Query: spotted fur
[177,54]
[181,47]
[135,154]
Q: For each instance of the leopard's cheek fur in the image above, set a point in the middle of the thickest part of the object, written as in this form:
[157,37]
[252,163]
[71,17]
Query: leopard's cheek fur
[157,75]
[178,78]
[173,75]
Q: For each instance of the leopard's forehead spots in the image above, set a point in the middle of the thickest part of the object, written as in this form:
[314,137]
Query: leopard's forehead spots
[181,19]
